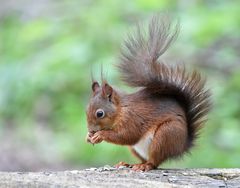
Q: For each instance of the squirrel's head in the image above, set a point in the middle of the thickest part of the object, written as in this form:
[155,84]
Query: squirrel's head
[103,107]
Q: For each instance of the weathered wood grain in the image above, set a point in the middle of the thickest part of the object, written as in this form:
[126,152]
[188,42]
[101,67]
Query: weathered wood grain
[110,177]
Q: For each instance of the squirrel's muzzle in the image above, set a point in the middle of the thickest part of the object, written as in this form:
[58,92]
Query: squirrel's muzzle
[93,128]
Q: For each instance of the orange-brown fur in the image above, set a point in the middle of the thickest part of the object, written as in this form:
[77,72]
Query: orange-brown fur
[171,104]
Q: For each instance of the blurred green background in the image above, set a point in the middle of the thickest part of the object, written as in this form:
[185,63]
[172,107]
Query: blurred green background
[47,51]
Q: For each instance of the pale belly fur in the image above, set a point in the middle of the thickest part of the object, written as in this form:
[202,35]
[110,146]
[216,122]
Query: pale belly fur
[142,147]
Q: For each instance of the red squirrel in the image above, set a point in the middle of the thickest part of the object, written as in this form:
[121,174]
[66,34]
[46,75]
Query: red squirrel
[162,119]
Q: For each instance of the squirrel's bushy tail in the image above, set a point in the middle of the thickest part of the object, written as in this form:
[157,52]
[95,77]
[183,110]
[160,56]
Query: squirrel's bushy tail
[140,67]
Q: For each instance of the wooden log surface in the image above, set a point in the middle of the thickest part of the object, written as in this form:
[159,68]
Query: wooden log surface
[106,177]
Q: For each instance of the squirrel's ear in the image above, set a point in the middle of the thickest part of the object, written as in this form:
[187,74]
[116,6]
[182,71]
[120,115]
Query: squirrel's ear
[107,91]
[95,86]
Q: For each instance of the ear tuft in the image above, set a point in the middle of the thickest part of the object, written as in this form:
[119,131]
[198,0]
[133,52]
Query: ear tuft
[107,91]
[95,86]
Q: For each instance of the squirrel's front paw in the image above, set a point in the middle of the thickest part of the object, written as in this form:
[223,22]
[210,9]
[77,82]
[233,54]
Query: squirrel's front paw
[97,137]
[88,137]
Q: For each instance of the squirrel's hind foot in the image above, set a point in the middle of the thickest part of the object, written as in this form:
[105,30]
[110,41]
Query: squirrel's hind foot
[143,167]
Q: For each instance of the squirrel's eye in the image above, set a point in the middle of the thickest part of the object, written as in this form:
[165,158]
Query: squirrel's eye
[100,113]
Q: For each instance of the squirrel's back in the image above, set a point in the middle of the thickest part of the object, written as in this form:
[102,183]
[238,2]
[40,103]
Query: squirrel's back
[140,67]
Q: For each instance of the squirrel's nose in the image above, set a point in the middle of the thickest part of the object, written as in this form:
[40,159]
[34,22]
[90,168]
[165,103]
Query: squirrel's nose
[92,132]
[93,128]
